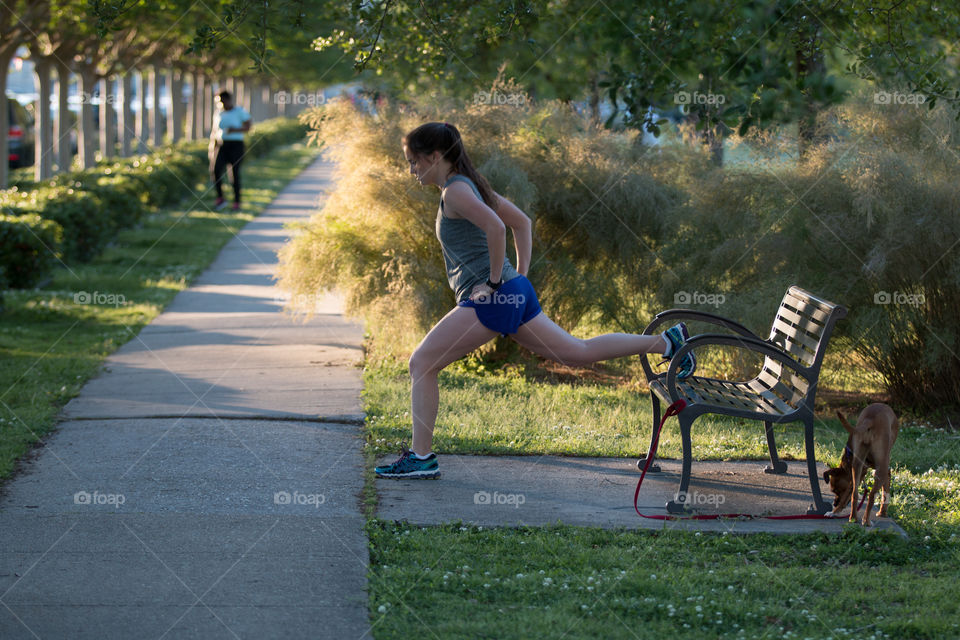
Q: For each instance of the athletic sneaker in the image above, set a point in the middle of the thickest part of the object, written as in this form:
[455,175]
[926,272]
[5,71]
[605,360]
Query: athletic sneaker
[219,204]
[677,335]
[236,206]
[409,466]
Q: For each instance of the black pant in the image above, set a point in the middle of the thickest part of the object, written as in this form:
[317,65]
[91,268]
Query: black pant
[229,152]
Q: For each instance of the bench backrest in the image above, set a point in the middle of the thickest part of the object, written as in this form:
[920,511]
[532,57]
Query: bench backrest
[802,328]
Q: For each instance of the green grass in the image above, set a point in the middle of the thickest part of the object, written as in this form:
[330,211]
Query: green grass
[51,343]
[575,582]
[506,413]
[570,582]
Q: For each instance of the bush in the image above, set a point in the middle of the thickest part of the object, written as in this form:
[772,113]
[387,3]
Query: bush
[28,249]
[270,134]
[91,205]
[868,221]
[86,224]
[374,238]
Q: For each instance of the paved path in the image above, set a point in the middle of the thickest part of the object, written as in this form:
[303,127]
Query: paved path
[206,484]
[598,492]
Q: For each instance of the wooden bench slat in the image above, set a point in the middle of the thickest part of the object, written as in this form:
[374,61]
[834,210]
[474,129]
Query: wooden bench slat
[797,335]
[798,351]
[803,307]
[774,373]
[808,324]
[776,388]
[733,395]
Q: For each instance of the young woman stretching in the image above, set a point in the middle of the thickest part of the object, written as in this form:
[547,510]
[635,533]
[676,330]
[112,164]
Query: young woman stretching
[493,296]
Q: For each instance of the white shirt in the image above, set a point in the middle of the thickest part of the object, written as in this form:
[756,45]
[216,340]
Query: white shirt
[224,120]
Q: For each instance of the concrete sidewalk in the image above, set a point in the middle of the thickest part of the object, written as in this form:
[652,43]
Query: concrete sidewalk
[206,484]
[598,492]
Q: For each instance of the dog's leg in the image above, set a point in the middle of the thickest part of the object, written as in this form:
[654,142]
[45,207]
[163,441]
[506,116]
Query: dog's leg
[883,479]
[870,500]
[857,468]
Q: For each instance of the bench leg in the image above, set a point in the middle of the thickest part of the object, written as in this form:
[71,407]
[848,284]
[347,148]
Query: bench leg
[776,464]
[681,503]
[654,468]
[818,506]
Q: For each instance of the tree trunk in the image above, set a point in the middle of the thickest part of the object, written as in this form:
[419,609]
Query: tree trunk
[242,97]
[85,137]
[810,62]
[209,100]
[192,108]
[281,105]
[270,99]
[201,100]
[143,113]
[43,136]
[175,111]
[595,101]
[106,121]
[62,141]
[156,128]
[254,109]
[714,141]
[5,119]
[125,122]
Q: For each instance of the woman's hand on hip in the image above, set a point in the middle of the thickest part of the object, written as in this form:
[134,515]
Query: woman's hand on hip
[481,293]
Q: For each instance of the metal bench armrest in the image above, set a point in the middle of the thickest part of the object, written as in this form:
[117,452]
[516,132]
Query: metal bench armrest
[674,315]
[701,316]
[753,344]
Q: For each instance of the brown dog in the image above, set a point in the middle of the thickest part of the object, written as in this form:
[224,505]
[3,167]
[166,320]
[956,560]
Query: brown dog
[869,444]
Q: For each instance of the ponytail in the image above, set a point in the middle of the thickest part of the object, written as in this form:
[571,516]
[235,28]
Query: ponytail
[445,138]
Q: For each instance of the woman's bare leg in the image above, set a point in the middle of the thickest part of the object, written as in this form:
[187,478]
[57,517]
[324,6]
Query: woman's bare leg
[456,335]
[545,338]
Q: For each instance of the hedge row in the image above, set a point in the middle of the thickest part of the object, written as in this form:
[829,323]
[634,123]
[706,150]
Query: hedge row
[74,215]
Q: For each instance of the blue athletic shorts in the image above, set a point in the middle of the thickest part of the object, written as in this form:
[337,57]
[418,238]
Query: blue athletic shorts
[510,306]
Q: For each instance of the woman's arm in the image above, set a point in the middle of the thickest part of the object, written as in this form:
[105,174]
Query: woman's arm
[522,228]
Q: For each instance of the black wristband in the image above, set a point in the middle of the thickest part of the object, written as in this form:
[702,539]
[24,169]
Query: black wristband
[494,285]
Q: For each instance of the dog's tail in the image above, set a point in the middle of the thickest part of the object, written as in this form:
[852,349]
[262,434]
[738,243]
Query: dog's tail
[846,425]
[862,429]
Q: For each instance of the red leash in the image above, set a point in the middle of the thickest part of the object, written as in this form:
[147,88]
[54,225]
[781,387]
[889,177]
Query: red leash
[673,410]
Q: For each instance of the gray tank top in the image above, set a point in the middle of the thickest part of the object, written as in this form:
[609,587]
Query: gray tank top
[465,251]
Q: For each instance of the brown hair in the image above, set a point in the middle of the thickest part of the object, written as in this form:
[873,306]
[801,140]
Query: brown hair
[444,137]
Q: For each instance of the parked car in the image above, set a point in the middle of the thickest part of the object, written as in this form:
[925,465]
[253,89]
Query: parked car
[20,142]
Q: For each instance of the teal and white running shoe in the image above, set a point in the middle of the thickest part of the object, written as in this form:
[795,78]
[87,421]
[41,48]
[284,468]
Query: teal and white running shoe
[409,466]
[677,335]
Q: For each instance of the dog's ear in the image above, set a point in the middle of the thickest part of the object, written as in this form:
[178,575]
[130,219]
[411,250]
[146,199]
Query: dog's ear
[846,425]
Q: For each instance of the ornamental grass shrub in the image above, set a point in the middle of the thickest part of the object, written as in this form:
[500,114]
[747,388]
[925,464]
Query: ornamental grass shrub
[599,217]
[868,220]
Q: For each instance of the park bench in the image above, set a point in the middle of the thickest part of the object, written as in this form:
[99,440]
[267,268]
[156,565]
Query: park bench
[784,390]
